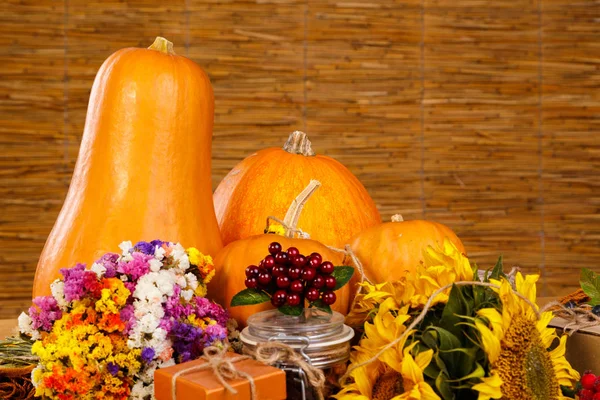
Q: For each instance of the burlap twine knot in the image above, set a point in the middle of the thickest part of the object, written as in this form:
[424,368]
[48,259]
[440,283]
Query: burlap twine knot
[269,353]
[579,317]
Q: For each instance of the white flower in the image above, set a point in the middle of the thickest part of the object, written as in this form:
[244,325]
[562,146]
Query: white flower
[123,278]
[58,292]
[25,324]
[159,253]
[141,391]
[192,281]
[125,247]
[180,256]
[187,294]
[155,265]
[99,269]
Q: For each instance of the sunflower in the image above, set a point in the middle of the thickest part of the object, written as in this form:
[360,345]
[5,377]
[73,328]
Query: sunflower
[517,345]
[441,266]
[396,374]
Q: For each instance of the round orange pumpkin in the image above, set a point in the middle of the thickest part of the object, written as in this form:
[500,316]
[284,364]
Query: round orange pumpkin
[143,170]
[391,250]
[266,182]
[232,260]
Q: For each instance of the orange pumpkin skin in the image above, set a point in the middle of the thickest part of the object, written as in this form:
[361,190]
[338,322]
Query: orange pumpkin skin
[232,260]
[392,250]
[143,170]
[265,183]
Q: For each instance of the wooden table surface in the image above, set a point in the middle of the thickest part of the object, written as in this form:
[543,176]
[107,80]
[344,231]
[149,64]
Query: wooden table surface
[7,327]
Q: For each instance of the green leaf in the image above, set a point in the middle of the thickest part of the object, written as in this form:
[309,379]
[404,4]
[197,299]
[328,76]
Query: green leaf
[443,387]
[291,310]
[342,276]
[321,306]
[498,270]
[457,305]
[248,297]
[590,283]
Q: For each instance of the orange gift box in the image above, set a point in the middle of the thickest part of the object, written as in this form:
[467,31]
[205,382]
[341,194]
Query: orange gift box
[204,385]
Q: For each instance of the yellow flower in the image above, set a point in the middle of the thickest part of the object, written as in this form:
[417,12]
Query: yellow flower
[441,267]
[395,374]
[277,229]
[204,263]
[517,344]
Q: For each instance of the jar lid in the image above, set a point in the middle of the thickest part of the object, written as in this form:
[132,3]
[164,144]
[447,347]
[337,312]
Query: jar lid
[316,325]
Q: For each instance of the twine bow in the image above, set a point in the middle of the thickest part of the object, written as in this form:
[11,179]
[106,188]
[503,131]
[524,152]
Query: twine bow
[223,368]
[271,353]
[577,318]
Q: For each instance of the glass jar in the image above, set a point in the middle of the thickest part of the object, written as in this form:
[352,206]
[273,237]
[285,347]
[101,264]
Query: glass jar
[321,338]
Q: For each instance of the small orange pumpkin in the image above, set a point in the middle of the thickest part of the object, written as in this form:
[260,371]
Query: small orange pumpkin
[266,182]
[232,260]
[143,170]
[391,250]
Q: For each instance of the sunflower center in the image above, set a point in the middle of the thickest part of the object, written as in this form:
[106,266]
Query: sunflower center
[525,365]
[388,386]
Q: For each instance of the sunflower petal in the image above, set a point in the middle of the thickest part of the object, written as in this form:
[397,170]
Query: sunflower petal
[489,388]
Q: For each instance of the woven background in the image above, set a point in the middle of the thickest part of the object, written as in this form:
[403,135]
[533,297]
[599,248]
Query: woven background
[483,115]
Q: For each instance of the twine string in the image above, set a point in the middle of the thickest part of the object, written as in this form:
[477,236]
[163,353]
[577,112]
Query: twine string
[288,229]
[421,316]
[222,367]
[577,318]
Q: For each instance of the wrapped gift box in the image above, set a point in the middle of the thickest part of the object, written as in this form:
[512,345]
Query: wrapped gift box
[583,346]
[204,385]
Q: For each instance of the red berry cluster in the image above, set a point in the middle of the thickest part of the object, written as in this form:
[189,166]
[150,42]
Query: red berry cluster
[590,387]
[291,277]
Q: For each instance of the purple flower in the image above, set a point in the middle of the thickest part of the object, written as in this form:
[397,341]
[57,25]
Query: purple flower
[156,243]
[148,354]
[207,308]
[135,268]
[46,312]
[112,368]
[144,247]
[78,282]
[127,315]
[109,261]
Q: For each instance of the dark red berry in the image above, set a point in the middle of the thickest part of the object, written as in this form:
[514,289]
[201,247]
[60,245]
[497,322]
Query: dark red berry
[251,283]
[251,271]
[586,394]
[296,287]
[308,274]
[279,298]
[596,396]
[282,258]
[264,278]
[292,251]
[330,282]
[318,282]
[328,297]
[597,385]
[317,256]
[268,262]
[299,261]
[274,248]
[314,262]
[293,299]
[283,281]
[587,380]
[312,294]
[326,268]
[295,272]
[279,270]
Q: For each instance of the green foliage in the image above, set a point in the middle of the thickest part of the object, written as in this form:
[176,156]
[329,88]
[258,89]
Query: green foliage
[590,283]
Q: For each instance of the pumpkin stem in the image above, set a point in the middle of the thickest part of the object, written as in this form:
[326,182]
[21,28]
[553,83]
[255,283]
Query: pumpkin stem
[163,45]
[298,143]
[292,216]
[397,218]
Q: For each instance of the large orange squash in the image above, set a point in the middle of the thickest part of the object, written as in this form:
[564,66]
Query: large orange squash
[231,262]
[266,182]
[391,250]
[143,170]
